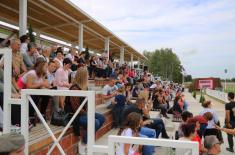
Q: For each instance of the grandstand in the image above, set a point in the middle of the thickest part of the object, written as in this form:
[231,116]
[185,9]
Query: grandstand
[65,24]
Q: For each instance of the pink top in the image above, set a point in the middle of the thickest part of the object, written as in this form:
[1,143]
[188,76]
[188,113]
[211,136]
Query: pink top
[61,78]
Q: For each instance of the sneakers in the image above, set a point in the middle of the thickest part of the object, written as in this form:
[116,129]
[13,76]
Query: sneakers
[229,149]
[82,148]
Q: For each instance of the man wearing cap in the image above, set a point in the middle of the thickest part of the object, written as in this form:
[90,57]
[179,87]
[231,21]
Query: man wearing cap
[212,144]
[12,144]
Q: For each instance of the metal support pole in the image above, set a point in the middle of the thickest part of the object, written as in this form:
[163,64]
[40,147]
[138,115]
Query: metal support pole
[80,37]
[132,61]
[22,17]
[106,46]
[122,55]
[138,63]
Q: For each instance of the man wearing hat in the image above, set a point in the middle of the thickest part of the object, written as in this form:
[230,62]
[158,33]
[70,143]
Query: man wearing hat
[12,144]
[212,144]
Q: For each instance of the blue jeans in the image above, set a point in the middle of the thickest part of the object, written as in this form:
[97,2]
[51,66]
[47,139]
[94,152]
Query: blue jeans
[150,133]
[147,149]
[159,127]
[99,121]
[185,106]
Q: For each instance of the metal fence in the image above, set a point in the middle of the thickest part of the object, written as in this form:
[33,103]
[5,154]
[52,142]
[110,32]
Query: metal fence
[217,94]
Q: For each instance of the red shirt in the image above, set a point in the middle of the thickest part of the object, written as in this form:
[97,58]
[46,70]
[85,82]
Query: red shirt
[196,138]
[201,119]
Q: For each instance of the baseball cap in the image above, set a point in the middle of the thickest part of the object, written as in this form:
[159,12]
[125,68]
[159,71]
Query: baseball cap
[11,142]
[210,141]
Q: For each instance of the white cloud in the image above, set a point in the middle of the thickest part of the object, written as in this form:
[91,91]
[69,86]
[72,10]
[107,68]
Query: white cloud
[186,26]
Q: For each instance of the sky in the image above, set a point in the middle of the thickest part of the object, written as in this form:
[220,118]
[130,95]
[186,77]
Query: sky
[200,32]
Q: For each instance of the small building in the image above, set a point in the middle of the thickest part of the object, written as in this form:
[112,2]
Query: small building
[210,83]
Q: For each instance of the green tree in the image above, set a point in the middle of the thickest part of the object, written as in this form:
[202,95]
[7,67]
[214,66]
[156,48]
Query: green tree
[30,34]
[165,63]
[188,78]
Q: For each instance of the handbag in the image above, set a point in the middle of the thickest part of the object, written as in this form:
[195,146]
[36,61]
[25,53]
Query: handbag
[60,118]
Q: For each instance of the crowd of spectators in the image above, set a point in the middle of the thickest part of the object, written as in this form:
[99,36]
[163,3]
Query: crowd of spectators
[129,96]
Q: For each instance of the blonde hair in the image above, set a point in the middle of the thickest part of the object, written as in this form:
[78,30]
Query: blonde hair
[81,78]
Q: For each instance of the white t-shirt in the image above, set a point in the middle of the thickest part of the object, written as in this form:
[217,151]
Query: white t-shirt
[120,146]
[107,90]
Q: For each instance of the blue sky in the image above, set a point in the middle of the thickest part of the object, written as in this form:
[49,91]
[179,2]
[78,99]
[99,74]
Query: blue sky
[200,32]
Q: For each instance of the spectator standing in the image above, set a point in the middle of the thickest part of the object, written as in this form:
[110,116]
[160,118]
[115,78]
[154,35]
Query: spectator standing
[62,79]
[29,57]
[46,54]
[25,40]
[59,57]
[53,52]
[119,104]
[230,119]
[18,65]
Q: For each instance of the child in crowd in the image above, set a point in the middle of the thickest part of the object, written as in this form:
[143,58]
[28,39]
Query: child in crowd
[119,105]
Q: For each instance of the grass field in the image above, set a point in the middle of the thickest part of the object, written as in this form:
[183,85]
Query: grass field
[230,87]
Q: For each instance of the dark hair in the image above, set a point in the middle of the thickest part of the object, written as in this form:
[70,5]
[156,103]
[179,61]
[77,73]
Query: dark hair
[31,45]
[129,85]
[67,61]
[231,95]
[59,52]
[83,52]
[185,115]
[205,104]
[59,49]
[23,38]
[39,66]
[192,120]
[188,129]
[208,116]
[132,121]
[51,61]
[177,98]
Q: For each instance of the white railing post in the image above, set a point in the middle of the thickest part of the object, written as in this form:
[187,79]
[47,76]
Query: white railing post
[25,119]
[91,123]
[111,146]
[7,55]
